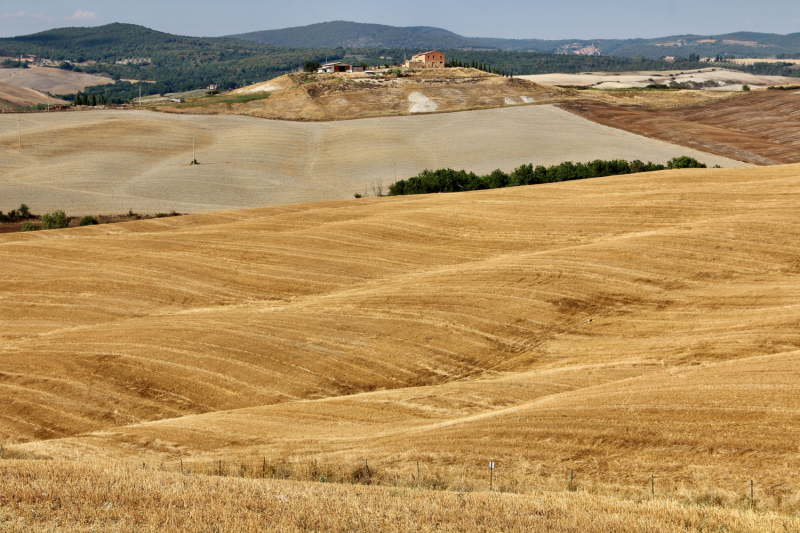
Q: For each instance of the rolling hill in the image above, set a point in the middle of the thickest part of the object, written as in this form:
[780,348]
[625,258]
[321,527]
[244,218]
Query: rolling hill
[140,159]
[648,314]
[342,34]
[598,340]
[358,35]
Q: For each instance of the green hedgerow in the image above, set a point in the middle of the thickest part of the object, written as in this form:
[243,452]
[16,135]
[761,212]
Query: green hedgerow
[55,220]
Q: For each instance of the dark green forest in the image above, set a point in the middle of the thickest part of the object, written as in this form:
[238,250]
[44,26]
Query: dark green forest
[342,34]
[448,180]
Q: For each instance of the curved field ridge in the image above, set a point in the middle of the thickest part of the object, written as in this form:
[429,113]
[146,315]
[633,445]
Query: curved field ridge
[110,325]
[107,162]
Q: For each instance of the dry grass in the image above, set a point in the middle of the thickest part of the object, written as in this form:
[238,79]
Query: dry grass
[140,160]
[79,497]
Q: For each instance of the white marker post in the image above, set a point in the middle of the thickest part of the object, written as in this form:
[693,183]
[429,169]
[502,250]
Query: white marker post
[491,474]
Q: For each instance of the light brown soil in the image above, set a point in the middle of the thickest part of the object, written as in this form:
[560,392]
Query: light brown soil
[761,128]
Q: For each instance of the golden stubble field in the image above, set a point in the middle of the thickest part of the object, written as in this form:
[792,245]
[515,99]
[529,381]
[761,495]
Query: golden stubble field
[616,328]
[83,497]
[107,162]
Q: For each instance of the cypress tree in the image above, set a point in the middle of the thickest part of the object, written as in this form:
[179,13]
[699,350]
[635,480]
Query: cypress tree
[77,99]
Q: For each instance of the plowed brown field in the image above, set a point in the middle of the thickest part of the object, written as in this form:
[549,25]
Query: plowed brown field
[616,327]
[762,128]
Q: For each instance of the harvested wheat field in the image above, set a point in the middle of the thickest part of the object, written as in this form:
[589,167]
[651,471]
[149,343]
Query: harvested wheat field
[761,128]
[40,497]
[585,335]
[140,160]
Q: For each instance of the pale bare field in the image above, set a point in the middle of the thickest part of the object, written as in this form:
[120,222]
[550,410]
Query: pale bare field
[52,80]
[140,160]
[605,80]
[22,97]
[754,60]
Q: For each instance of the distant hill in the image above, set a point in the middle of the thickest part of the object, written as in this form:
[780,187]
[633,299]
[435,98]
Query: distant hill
[342,34]
[110,42]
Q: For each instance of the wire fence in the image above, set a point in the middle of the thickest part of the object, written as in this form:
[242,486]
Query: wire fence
[420,475]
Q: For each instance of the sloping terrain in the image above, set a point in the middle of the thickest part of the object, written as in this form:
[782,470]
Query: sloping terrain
[22,97]
[52,80]
[325,97]
[761,128]
[140,160]
[616,326]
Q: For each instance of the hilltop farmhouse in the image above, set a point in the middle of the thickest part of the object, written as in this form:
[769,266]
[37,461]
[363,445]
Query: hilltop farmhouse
[339,67]
[431,59]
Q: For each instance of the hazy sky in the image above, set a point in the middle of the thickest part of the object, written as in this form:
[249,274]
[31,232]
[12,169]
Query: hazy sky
[543,19]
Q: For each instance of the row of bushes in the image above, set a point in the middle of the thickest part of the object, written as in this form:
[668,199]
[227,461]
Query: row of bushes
[448,180]
[54,220]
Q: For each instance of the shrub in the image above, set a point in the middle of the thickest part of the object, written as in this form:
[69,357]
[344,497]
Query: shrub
[357,195]
[88,221]
[684,162]
[28,226]
[746,88]
[55,220]
[24,211]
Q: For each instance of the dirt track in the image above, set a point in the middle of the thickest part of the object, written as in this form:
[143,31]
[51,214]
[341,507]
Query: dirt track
[108,162]
[762,128]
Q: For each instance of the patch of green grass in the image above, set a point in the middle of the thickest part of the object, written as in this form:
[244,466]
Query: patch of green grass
[225,99]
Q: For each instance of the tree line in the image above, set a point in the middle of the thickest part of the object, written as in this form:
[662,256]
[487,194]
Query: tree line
[448,180]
